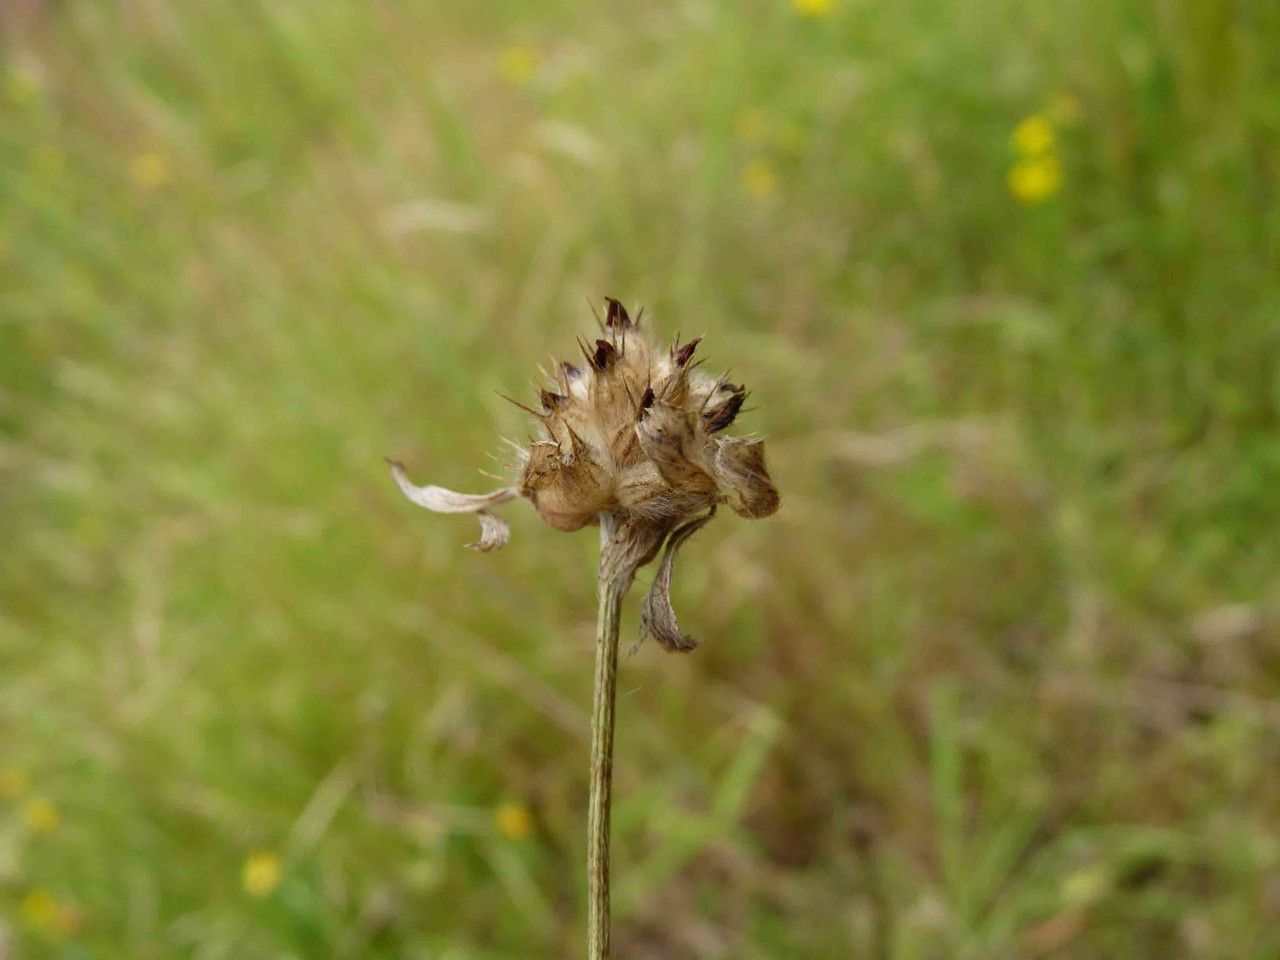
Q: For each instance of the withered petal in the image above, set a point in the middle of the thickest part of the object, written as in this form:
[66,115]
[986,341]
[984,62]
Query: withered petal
[743,477]
[494,531]
[657,616]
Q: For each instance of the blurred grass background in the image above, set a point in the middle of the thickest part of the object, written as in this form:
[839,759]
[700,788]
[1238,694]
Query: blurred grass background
[999,681]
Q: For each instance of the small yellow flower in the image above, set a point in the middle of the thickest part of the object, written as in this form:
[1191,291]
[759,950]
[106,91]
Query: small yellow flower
[13,782]
[758,178]
[1034,181]
[150,169]
[41,815]
[40,909]
[514,821]
[517,64]
[261,873]
[1033,137]
[813,8]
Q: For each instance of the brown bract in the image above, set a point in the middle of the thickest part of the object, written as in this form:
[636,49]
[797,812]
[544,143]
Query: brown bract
[633,431]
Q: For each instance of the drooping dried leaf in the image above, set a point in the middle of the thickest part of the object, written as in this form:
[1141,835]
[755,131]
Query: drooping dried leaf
[657,615]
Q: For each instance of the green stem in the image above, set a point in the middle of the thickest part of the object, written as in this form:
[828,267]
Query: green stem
[610,591]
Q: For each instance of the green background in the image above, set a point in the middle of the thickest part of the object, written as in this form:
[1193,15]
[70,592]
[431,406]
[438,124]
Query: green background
[999,681]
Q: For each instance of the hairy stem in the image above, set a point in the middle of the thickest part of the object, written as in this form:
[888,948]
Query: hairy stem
[611,587]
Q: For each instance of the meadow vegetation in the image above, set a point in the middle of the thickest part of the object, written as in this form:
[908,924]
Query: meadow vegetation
[999,681]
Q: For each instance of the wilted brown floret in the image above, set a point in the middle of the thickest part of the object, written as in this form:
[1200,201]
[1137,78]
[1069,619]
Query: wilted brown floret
[632,434]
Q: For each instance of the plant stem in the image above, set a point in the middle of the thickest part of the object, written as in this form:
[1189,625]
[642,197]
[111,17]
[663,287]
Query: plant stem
[609,592]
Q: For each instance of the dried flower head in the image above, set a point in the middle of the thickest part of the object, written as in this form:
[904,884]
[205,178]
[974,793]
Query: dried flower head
[633,433]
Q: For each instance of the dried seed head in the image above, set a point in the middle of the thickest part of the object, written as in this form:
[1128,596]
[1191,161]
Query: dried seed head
[634,435]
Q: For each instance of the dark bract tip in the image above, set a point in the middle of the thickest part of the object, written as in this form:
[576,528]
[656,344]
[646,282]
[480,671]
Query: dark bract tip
[719,417]
[685,352]
[604,355]
[616,314]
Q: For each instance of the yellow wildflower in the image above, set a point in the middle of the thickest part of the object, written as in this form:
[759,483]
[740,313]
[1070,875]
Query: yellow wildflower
[514,821]
[517,64]
[758,178]
[261,873]
[1033,137]
[13,782]
[1034,181]
[40,909]
[41,815]
[813,8]
[150,169]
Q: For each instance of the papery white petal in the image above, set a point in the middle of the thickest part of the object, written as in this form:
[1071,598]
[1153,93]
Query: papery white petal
[447,501]
[494,532]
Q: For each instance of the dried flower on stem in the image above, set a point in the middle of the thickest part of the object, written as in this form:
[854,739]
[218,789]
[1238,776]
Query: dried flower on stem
[631,440]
